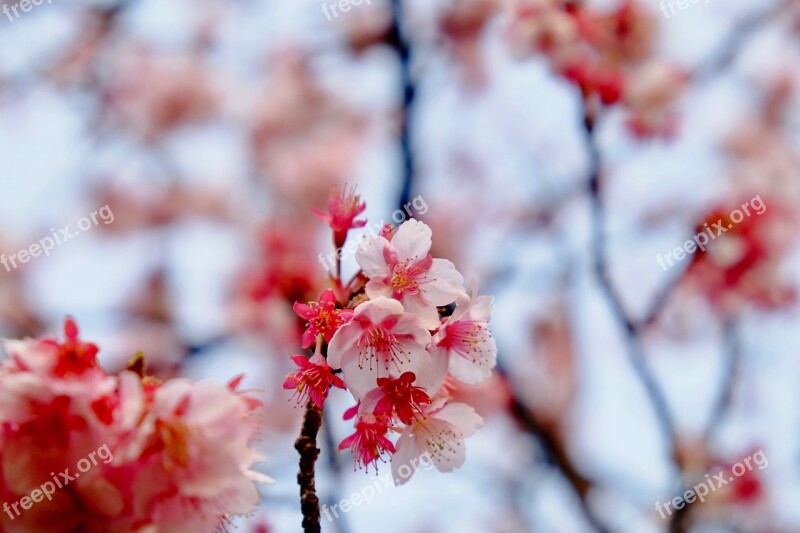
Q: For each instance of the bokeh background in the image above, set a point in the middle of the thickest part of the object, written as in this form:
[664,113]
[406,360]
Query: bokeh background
[554,176]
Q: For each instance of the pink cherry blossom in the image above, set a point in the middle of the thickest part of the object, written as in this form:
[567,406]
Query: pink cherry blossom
[397,397]
[440,435]
[344,205]
[180,454]
[369,442]
[323,318]
[403,269]
[70,358]
[381,340]
[193,449]
[464,343]
[312,380]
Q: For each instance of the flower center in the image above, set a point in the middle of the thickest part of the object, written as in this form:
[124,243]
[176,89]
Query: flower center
[404,279]
[175,436]
[381,345]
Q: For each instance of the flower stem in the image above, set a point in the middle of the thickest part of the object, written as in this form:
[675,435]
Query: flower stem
[306,445]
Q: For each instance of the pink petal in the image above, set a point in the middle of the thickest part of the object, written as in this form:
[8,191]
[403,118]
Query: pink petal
[462,417]
[407,450]
[342,343]
[347,442]
[328,297]
[369,256]
[412,240]
[448,284]
[308,338]
[303,310]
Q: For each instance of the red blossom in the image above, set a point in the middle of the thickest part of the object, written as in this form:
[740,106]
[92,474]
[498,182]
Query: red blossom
[312,380]
[73,356]
[344,205]
[741,260]
[400,396]
[369,442]
[323,318]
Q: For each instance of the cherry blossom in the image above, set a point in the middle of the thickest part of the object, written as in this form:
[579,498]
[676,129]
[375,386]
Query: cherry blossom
[180,454]
[396,396]
[464,343]
[440,434]
[404,270]
[312,380]
[323,318]
[398,359]
[369,442]
[381,340]
[344,205]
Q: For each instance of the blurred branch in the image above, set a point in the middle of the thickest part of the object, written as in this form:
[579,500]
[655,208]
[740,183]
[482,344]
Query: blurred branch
[554,449]
[400,44]
[335,465]
[631,329]
[732,355]
[736,40]
[659,302]
[733,358]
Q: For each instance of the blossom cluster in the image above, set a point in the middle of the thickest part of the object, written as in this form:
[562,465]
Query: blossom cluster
[402,334]
[745,264]
[182,451]
[608,55]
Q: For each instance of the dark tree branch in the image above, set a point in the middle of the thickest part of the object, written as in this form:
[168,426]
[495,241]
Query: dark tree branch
[306,445]
[397,39]
[735,42]
[553,448]
[631,329]
[733,356]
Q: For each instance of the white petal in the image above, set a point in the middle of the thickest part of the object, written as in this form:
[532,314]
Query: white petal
[442,443]
[420,364]
[426,313]
[378,309]
[343,342]
[441,363]
[406,451]
[362,379]
[369,256]
[481,310]
[443,283]
[377,288]
[412,240]
[475,364]
[462,417]
[468,371]
[409,324]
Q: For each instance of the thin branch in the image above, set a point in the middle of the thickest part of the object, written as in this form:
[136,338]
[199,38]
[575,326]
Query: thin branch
[733,356]
[635,349]
[554,450]
[736,40]
[335,464]
[306,445]
[400,44]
